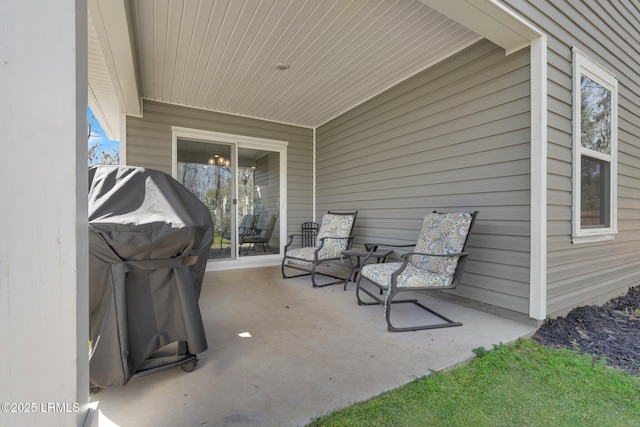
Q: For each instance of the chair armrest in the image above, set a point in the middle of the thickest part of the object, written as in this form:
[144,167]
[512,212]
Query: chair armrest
[323,239]
[243,231]
[406,259]
[336,238]
[387,245]
[290,241]
[454,255]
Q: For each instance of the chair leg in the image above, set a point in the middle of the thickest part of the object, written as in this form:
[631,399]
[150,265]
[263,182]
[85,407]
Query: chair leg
[375,298]
[389,302]
[284,275]
[313,272]
[315,284]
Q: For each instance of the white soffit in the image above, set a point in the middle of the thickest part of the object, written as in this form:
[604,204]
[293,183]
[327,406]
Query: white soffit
[102,96]
[222,55]
[490,19]
[109,19]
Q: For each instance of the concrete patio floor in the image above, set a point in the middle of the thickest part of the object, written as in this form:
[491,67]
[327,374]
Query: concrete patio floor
[311,350]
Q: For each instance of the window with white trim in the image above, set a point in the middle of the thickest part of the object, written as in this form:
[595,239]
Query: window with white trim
[595,143]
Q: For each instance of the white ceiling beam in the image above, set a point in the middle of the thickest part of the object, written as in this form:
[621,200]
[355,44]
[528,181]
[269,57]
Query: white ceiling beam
[111,23]
[491,19]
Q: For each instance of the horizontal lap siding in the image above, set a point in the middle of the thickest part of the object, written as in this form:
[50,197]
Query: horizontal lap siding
[607,31]
[149,145]
[455,137]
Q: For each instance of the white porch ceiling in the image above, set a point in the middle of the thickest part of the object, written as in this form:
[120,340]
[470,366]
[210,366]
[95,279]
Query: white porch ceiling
[221,55]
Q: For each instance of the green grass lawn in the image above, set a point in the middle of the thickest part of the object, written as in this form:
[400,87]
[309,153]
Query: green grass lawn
[523,384]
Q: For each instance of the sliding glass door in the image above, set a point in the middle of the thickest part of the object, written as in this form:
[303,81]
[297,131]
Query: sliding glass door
[241,183]
[206,169]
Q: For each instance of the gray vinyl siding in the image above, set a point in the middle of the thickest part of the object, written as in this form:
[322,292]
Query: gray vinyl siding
[454,137]
[149,145]
[608,32]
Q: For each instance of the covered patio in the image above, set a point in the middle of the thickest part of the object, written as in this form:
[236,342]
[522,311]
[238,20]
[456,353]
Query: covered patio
[308,365]
[309,352]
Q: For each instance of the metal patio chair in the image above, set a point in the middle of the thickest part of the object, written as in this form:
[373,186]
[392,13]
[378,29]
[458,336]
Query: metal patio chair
[334,236]
[435,264]
[261,233]
[246,225]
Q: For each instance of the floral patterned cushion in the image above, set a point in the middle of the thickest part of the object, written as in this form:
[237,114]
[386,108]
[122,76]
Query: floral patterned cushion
[333,225]
[411,277]
[441,234]
[301,256]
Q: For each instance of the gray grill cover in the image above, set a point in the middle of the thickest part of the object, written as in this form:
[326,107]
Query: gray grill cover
[149,238]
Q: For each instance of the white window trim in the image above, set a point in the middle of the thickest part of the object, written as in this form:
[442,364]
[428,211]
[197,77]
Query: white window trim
[583,65]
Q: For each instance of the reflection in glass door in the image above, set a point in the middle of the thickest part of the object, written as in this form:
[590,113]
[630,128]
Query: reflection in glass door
[206,169]
[258,178]
[242,191]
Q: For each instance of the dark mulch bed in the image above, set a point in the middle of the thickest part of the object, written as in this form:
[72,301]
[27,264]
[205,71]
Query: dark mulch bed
[611,331]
